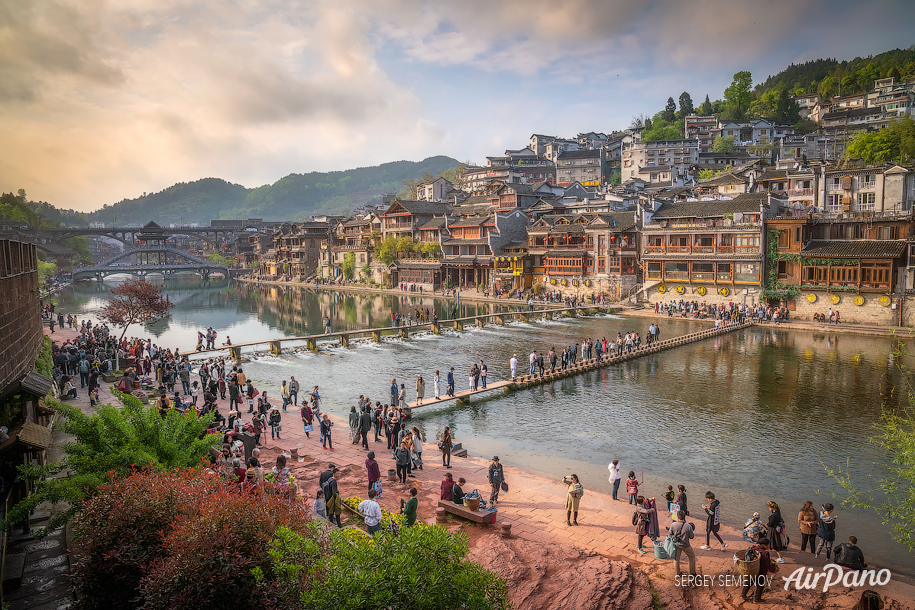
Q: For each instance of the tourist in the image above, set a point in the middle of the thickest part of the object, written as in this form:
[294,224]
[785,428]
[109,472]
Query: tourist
[826,531]
[632,486]
[316,402]
[326,426]
[451,382]
[365,424]
[402,455]
[284,394]
[318,505]
[669,496]
[457,491]
[371,513]
[576,491]
[552,358]
[420,389]
[682,533]
[332,500]
[294,391]
[195,392]
[436,386]
[484,370]
[615,477]
[237,471]
[445,445]
[496,479]
[353,425]
[378,421]
[765,567]
[307,419]
[447,484]
[417,449]
[807,520]
[753,529]
[680,500]
[848,555]
[712,521]
[274,422]
[513,364]
[533,361]
[373,472]
[775,527]
[643,520]
[409,509]
[393,392]
[281,476]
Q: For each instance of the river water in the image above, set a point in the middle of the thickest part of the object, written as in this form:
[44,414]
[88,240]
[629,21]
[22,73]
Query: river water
[754,415]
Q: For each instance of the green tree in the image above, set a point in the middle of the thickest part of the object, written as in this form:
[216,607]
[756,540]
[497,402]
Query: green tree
[219,259]
[114,439]
[670,110]
[895,143]
[431,249]
[349,265]
[46,270]
[723,144]
[616,178]
[405,246]
[686,105]
[738,94]
[786,109]
[706,108]
[387,250]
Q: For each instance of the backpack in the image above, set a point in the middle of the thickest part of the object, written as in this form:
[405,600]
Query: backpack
[84,366]
[679,537]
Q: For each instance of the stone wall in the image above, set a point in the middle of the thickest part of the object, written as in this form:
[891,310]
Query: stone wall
[875,309]
[740,295]
[20,322]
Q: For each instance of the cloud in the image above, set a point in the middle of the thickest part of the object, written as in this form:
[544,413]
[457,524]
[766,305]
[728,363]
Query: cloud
[105,99]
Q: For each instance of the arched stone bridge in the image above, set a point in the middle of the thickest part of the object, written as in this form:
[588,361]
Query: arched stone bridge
[182,263]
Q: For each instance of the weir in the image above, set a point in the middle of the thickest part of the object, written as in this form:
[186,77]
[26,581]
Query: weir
[581,366]
[376,334]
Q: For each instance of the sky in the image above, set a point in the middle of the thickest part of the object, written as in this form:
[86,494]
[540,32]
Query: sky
[102,100]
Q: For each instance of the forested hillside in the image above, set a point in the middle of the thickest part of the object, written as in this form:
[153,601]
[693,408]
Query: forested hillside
[295,196]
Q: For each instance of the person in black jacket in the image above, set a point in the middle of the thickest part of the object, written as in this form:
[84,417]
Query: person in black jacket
[848,555]
[365,424]
[457,491]
[496,477]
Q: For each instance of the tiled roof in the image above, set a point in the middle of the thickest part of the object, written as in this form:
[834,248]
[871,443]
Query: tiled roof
[847,113]
[423,207]
[555,253]
[858,248]
[580,154]
[437,222]
[619,221]
[774,174]
[654,168]
[470,221]
[724,179]
[471,210]
[705,209]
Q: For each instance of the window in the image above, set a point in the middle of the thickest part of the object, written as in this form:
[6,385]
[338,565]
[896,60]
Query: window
[887,233]
[783,239]
[746,272]
[782,269]
[747,241]
[866,201]
[869,182]
[654,271]
[797,235]
[835,184]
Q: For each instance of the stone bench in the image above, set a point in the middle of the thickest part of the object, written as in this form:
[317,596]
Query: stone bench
[484,516]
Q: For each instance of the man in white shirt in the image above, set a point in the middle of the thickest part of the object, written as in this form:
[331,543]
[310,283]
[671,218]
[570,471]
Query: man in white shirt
[533,360]
[372,512]
[513,363]
[615,477]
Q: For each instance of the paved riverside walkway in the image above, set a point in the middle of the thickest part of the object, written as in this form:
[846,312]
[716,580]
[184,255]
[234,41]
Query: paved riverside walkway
[581,366]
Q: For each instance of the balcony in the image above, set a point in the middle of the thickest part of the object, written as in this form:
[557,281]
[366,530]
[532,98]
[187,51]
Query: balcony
[676,275]
[801,192]
[747,250]
[701,276]
[703,249]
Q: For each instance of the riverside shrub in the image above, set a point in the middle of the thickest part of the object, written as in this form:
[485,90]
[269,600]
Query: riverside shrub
[183,539]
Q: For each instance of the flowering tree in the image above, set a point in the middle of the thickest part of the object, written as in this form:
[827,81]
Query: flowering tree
[136,302]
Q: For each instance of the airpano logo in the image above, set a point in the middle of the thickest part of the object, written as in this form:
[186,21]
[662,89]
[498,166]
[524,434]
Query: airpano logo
[834,575]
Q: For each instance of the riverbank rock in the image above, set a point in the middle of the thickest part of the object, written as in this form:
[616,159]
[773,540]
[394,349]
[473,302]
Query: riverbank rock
[562,577]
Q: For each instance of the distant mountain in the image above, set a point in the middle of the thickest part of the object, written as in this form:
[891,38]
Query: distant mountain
[295,196]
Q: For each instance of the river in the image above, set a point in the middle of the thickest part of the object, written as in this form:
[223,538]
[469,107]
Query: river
[753,415]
